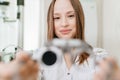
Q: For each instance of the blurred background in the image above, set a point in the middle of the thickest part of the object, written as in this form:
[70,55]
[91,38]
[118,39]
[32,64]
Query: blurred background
[23,24]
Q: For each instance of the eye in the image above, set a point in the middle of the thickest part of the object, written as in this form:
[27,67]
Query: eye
[71,16]
[56,18]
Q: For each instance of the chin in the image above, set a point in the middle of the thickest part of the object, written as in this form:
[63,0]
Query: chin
[66,37]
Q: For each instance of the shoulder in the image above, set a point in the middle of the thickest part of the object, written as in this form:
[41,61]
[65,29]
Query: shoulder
[98,54]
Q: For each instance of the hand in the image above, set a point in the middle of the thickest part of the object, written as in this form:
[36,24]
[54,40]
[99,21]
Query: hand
[22,68]
[108,68]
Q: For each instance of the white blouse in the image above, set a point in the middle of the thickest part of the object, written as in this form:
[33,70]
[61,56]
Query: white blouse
[83,71]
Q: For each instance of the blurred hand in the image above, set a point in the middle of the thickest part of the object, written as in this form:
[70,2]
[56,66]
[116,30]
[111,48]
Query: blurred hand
[108,68]
[22,68]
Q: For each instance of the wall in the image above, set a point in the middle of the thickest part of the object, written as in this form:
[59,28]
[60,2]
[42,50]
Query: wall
[33,25]
[91,21]
[111,27]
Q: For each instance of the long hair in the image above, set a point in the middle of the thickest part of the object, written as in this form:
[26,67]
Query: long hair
[79,24]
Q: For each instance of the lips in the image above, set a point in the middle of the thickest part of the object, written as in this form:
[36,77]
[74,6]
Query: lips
[65,31]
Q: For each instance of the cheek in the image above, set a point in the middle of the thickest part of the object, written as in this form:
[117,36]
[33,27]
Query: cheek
[73,23]
[74,32]
[56,27]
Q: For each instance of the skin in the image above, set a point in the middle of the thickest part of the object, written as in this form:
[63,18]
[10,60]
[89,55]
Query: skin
[109,70]
[23,65]
[64,19]
[65,24]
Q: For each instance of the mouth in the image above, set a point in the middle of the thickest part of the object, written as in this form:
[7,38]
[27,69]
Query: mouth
[65,31]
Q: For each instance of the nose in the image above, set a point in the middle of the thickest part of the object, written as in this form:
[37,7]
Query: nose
[64,22]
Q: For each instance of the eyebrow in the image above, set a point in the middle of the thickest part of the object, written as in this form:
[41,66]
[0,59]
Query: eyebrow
[68,12]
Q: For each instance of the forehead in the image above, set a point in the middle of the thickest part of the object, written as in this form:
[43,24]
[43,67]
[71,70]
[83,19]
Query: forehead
[63,6]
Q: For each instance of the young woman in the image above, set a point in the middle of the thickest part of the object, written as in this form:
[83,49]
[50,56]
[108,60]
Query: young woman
[66,21]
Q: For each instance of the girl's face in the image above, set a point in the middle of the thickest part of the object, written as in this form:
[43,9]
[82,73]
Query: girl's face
[64,19]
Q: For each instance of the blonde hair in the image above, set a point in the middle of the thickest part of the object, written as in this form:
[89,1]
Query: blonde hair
[79,24]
